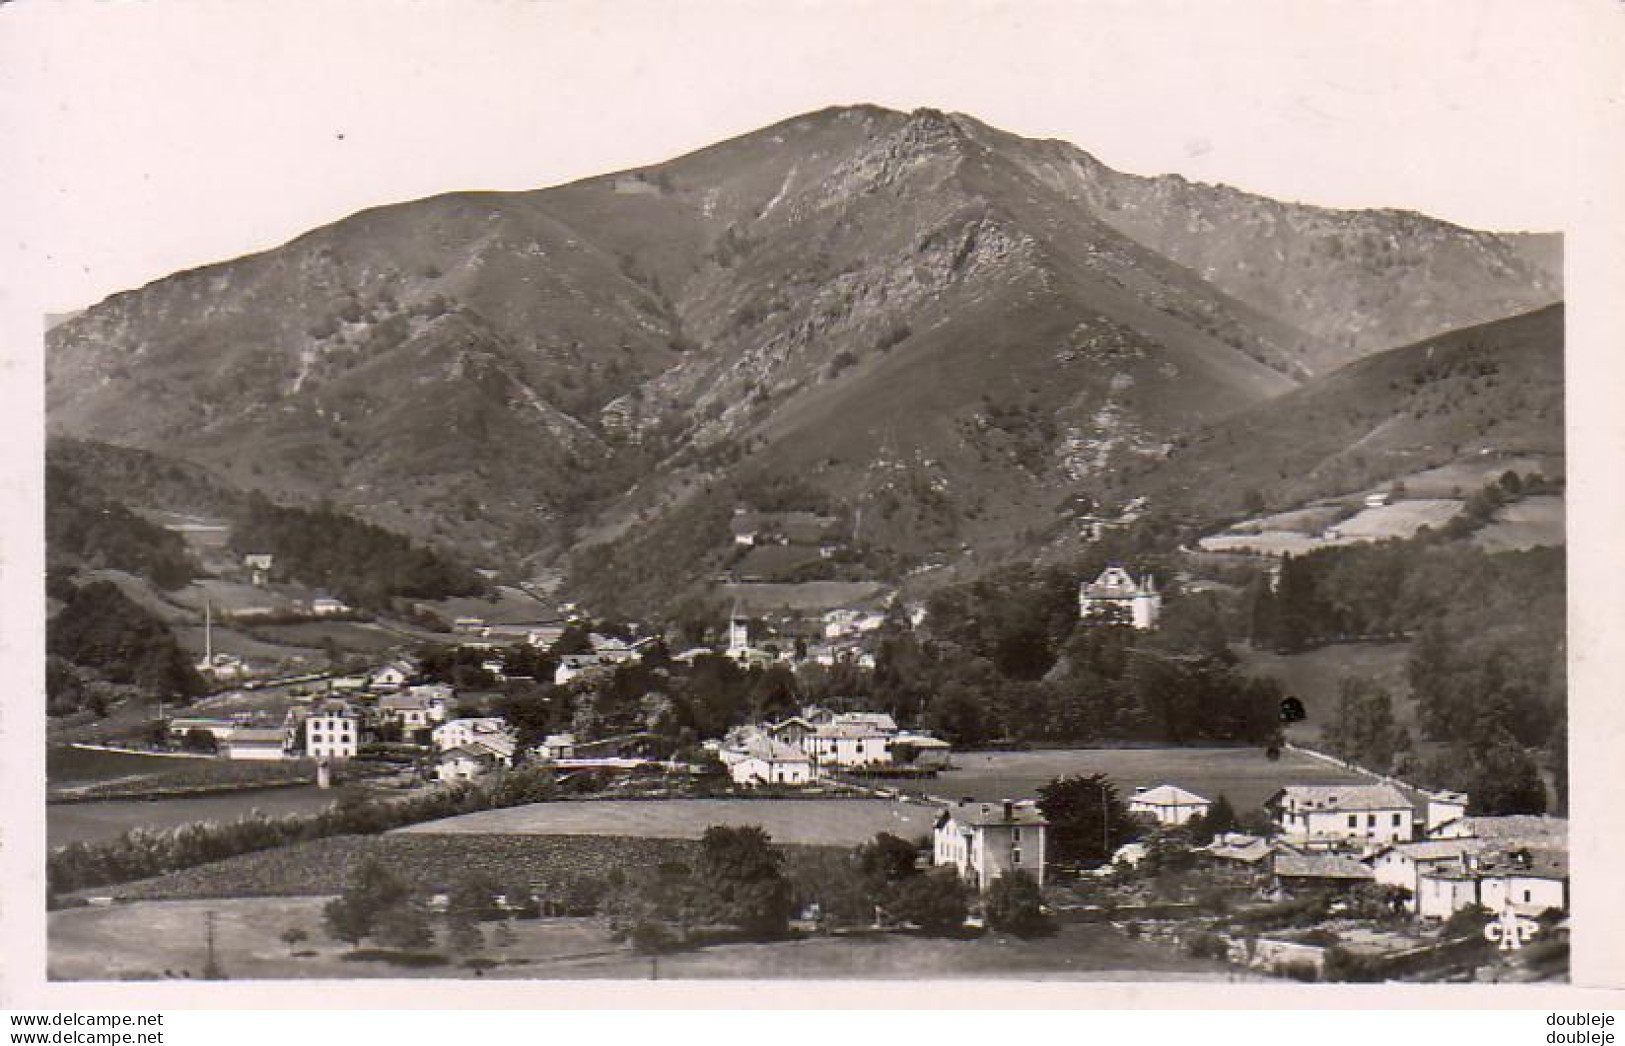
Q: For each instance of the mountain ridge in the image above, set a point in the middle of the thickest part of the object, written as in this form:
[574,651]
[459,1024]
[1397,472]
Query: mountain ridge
[856,295]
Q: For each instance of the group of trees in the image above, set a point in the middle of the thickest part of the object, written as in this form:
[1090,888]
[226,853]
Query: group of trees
[362,564]
[102,636]
[1486,665]
[84,529]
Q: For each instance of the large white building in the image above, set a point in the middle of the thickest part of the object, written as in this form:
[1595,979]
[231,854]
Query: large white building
[986,840]
[332,732]
[759,759]
[1350,815]
[848,745]
[1115,592]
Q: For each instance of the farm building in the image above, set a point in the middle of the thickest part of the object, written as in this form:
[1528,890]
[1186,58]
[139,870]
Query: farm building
[1168,804]
[986,840]
[257,744]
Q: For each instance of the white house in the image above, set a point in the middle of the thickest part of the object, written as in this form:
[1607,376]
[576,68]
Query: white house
[848,745]
[332,732]
[1115,591]
[1529,880]
[1168,804]
[557,746]
[464,763]
[258,565]
[488,733]
[986,840]
[393,676]
[762,760]
[1402,865]
[418,709]
[1362,815]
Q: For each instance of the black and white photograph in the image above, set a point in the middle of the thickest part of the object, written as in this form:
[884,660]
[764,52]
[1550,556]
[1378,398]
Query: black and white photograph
[611,492]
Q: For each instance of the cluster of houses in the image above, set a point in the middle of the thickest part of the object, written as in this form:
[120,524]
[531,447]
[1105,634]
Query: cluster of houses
[803,748]
[1422,843]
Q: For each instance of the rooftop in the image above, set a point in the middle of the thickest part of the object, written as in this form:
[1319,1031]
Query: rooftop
[976,815]
[1168,795]
[1347,798]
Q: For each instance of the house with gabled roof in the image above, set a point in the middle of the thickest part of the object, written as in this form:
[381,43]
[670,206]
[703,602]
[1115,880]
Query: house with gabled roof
[759,759]
[464,763]
[1354,815]
[1168,804]
[1117,593]
[986,840]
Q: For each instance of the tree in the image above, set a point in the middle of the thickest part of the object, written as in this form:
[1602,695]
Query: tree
[740,881]
[198,739]
[293,937]
[1364,729]
[473,896]
[1088,820]
[371,891]
[936,901]
[1015,905]
[1220,818]
[887,859]
[404,927]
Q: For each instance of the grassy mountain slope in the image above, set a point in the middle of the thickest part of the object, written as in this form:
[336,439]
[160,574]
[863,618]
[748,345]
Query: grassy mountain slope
[1495,389]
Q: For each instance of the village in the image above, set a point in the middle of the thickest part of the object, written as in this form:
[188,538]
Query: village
[1339,873]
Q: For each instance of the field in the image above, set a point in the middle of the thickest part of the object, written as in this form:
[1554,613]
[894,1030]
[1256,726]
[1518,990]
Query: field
[1402,519]
[65,766]
[1314,678]
[509,606]
[1529,523]
[1464,477]
[108,819]
[809,595]
[806,822]
[1285,534]
[352,636]
[156,940]
[1243,775]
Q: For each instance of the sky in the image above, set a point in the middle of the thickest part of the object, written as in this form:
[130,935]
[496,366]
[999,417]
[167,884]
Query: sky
[151,137]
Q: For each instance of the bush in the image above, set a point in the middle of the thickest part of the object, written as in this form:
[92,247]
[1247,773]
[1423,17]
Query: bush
[1014,905]
[1297,971]
[1207,946]
[1345,965]
[934,901]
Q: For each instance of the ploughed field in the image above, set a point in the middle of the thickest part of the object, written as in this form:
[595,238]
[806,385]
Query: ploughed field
[804,822]
[158,940]
[1243,775]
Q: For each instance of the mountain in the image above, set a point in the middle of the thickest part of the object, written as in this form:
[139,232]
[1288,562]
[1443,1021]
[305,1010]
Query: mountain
[1490,392]
[934,329]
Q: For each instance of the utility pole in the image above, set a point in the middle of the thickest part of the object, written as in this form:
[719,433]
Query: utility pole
[211,968]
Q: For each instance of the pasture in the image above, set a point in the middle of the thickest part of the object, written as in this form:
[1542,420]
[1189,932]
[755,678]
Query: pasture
[1402,519]
[164,940]
[756,597]
[804,822]
[1243,775]
[1530,523]
[1315,676]
[1464,477]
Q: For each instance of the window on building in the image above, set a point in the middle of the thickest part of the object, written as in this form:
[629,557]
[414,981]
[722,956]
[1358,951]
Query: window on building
[1526,897]
[1398,820]
[1354,820]
[1015,856]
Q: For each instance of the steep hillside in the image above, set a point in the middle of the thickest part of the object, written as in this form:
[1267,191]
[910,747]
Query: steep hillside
[1495,390]
[944,328]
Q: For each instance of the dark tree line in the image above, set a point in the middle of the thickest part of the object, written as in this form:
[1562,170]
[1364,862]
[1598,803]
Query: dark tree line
[84,529]
[101,630]
[362,564]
